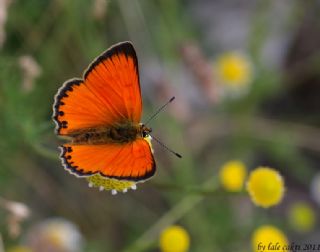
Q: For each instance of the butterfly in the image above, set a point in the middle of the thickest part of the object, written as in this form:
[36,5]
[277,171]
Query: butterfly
[100,115]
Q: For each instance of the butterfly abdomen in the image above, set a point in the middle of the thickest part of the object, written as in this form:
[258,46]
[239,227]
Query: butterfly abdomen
[122,133]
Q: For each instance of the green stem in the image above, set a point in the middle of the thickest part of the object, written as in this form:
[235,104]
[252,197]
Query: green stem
[173,215]
[1,244]
[50,154]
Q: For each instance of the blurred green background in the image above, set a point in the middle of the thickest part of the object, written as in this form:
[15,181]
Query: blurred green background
[274,121]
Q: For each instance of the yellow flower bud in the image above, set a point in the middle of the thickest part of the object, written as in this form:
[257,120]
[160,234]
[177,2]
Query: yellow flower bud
[302,217]
[269,238]
[234,69]
[265,187]
[174,239]
[232,175]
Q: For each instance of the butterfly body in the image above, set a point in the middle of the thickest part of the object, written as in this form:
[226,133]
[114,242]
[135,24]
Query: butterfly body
[120,133]
[100,115]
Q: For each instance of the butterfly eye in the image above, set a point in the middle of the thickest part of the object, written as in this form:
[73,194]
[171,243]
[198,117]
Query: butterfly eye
[144,134]
[146,131]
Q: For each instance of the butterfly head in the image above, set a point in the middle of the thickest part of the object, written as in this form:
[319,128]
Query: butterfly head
[145,131]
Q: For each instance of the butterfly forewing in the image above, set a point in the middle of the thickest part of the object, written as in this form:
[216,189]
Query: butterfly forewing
[110,93]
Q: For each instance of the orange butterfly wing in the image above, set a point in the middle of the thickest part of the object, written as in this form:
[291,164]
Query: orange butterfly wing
[130,161]
[108,94]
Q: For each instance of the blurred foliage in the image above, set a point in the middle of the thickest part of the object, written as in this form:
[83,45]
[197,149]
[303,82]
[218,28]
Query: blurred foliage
[275,123]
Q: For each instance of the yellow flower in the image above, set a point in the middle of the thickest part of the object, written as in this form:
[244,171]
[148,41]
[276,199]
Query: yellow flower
[269,238]
[302,217]
[174,239]
[265,187]
[115,185]
[19,249]
[232,175]
[234,69]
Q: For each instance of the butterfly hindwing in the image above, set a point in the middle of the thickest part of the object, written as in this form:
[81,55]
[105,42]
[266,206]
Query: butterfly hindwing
[109,93]
[131,161]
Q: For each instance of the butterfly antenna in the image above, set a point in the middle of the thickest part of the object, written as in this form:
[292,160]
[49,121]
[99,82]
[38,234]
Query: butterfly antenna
[159,110]
[167,148]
